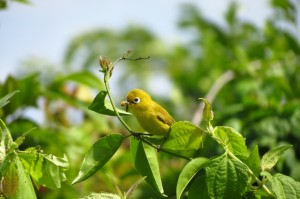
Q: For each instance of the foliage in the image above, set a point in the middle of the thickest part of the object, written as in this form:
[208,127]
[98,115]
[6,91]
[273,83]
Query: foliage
[259,101]
[55,98]
[16,166]
[229,175]
[262,99]
[95,158]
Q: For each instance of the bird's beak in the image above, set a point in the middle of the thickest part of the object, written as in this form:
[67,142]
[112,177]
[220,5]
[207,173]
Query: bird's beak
[125,103]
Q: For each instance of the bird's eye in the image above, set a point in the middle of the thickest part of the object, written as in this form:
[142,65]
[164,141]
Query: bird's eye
[136,100]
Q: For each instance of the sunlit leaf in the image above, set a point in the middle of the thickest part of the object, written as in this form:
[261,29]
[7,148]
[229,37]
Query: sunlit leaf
[283,186]
[46,170]
[6,139]
[270,158]
[98,155]
[226,177]
[184,138]
[5,100]
[10,176]
[145,161]
[103,106]
[16,182]
[188,173]
[231,139]
[208,114]
[253,161]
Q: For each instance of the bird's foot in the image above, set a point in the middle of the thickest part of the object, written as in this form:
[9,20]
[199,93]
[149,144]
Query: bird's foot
[158,147]
[137,135]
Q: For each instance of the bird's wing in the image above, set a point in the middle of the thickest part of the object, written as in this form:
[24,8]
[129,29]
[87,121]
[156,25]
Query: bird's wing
[163,115]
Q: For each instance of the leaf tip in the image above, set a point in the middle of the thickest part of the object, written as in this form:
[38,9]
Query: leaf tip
[77,179]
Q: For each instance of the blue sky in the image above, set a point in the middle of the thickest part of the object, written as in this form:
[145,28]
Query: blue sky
[44,28]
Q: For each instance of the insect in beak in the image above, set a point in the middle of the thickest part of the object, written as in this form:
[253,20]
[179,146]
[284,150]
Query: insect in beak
[125,103]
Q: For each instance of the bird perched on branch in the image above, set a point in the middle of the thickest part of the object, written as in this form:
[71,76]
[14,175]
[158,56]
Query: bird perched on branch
[151,116]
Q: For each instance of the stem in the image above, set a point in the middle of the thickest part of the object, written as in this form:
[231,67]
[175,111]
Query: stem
[106,83]
[112,103]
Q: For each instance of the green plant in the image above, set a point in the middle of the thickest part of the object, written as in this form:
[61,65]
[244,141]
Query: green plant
[21,171]
[234,173]
[254,68]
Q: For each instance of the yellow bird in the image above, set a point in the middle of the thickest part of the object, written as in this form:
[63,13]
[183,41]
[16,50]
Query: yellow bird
[151,116]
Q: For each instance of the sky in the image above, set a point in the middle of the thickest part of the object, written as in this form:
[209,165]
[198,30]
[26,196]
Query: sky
[44,28]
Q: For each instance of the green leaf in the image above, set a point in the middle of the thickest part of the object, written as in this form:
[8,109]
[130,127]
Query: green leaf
[270,158]
[283,186]
[208,114]
[188,173]
[10,181]
[226,177]
[5,100]
[16,183]
[29,88]
[231,139]
[199,189]
[185,138]
[98,155]
[145,161]
[6,139]
[103,195]
[46,170]
[103,106]
[253,161]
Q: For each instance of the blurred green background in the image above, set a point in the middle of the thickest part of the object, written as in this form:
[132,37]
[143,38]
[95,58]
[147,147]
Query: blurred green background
[250,73]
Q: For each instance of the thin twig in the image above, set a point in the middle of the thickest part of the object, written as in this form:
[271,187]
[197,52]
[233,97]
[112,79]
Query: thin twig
[140,58]
[217,86]
[113,104]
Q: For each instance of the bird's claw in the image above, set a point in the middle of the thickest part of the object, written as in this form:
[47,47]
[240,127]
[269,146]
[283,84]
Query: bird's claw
[158,147]
[137,136]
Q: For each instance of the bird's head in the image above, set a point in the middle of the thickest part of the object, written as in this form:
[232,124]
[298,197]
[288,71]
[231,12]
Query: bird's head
[136,98]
